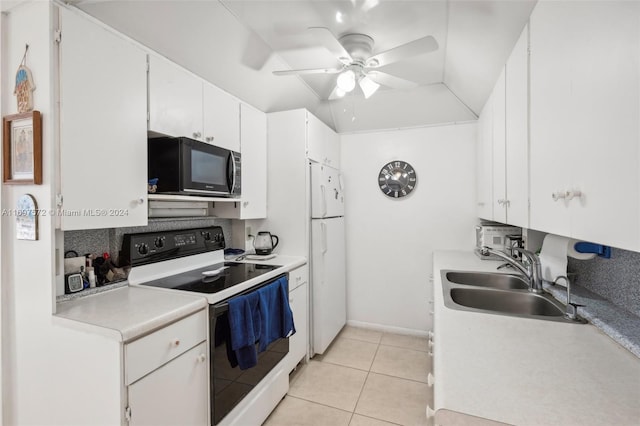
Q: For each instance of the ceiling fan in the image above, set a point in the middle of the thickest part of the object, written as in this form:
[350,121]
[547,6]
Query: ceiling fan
[359,64]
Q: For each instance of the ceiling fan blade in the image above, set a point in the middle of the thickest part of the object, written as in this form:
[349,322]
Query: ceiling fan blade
[416,47]
[391,81]
[328,40]
[368,86]
[309,71]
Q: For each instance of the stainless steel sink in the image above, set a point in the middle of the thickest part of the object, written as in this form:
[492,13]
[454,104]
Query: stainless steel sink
[487,279]
[498,294]
[508,302]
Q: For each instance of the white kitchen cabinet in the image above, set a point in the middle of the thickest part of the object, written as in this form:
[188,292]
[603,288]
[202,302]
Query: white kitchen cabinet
[175,100]
[221,122]
[253,201]
[181,104]
[499,146]
[484,185]
[174,394]
[503,165]
[517,133]
[103,135]
[167,373]
[323,144]
[584,121]
[299,301]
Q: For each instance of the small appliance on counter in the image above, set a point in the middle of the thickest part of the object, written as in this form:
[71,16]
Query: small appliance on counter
[497,236]
[264,243]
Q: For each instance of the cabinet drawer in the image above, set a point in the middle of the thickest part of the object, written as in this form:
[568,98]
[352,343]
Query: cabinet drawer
[298,277]
[150,352]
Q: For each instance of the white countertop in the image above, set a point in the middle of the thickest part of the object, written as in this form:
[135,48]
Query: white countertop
[127,312]
[526,371]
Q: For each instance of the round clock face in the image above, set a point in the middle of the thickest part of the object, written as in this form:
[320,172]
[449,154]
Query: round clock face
[397,179]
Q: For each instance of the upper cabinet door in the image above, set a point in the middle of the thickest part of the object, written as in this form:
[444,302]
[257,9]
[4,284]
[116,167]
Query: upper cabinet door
[221,118]
[517,133]
[585,112]
[254,163]
[323,144]
[484,185]
[175,100]
[499,147]
[103,131]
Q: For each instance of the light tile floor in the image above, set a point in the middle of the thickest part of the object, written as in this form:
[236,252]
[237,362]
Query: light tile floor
[365,378]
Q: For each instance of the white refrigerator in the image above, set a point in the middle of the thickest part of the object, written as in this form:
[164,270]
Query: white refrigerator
[328,275]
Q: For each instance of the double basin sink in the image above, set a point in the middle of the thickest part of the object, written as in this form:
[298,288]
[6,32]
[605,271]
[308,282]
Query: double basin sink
[497,293]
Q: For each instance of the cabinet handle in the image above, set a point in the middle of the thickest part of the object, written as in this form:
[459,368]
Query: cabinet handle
[430,379]
[140,200]
[430,412]
[570,195]
[197,135]
[175,343]
[202,358]
[209,138]
[500,202]
[558,195]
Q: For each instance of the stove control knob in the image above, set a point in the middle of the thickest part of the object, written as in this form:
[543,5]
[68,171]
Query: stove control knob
[159,242]
[207,236]
[143,249]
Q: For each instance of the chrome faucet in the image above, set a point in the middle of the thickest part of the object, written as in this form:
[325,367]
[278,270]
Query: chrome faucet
[533,272]
[571,312]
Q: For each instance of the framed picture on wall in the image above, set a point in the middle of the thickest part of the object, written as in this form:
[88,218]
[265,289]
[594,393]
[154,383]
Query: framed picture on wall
[22,148]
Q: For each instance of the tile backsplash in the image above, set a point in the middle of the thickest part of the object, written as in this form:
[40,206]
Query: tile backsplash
[110,240]
[616,279]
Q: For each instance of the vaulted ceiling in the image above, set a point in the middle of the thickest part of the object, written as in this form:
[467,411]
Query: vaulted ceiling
[237,44]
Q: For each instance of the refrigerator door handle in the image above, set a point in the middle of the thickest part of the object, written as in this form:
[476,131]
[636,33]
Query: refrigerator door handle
[324,200]
[323,226]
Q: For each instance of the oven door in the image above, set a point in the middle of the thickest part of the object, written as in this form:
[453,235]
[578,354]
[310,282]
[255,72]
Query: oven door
[208,169]
[228,383]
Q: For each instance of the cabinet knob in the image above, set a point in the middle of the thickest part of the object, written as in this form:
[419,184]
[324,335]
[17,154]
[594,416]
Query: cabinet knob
[175,343]
[202,358]
[291,299]
[141,200]
[430,379]
[197,135]
[245,203]
[430,343]
[209,138]
[558,195]
[430,412]
[570,195]
[430,335]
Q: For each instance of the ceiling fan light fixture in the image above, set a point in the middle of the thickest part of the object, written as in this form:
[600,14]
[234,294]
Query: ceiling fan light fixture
[368,86]
[346,81]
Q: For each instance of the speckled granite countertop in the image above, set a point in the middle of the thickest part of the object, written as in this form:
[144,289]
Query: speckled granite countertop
[616,322]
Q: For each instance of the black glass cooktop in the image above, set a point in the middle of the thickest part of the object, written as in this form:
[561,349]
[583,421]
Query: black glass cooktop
[233,273]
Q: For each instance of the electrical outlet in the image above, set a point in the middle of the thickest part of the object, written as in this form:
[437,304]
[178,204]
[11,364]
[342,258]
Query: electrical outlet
[248,229]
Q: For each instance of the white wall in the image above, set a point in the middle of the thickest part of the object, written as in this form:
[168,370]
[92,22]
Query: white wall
[390,242]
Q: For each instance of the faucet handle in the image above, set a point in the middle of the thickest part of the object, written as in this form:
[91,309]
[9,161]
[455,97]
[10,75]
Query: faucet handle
[571,312]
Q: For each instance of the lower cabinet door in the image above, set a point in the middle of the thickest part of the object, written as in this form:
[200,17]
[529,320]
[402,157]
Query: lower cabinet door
[298,343]
[175,394]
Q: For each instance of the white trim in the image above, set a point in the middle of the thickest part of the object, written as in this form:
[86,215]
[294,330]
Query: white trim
[395,129]
[388,328]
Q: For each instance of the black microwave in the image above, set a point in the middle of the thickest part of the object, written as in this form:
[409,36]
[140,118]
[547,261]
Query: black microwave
[186,166]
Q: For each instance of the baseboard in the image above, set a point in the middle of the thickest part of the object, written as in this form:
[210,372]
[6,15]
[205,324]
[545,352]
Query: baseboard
[388,328]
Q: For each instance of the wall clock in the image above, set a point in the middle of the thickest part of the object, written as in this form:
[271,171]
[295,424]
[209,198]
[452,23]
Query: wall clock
[397,179]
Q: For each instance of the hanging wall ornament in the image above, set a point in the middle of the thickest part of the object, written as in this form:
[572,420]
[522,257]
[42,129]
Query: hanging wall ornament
[24,85]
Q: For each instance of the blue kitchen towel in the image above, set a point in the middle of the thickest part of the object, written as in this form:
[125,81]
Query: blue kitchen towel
[277,318]
[245,323]
[599,249]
